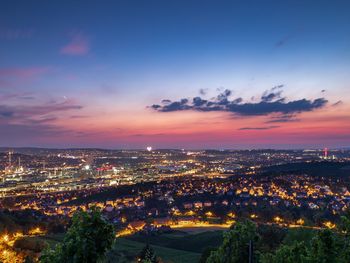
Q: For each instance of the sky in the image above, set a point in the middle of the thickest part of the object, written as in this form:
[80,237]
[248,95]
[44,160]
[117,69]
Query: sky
[175,74]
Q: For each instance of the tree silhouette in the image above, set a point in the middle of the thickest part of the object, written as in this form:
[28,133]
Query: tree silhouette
[147,255]
[86,241]
[324,248]
[295,253]
[235,246]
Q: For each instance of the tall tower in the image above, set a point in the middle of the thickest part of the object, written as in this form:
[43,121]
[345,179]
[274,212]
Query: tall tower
[325,153]
[10,158]
[9,165]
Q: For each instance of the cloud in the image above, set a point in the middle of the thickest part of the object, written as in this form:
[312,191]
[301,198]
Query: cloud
[22,72]
[166,101]
[33,122]
[339,102]
[203,92]
[14,77]
[14,132]
[283,119]
[271,102]
[273,94]
[79,116]
[29,114]
[147,135]
[258,128]
[5,97]
[283,41]
[6,114]
[33,134]
[172,106]
[78,46]
[47,119]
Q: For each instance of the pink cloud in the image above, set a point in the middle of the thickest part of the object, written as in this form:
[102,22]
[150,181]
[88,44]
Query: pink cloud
[13,77]
[29,113]
[22,72]
[78,46]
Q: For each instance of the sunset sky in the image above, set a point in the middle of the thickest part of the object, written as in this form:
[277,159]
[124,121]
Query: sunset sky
[175,74]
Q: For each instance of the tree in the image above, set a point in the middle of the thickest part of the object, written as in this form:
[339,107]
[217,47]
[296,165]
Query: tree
[114,255]
[86,241]
[324,248]
[295,253]
[299,235]
[345,223]
[271,237]
[147,255]
[205,254]
[235,246]
[345,229]
[28,259]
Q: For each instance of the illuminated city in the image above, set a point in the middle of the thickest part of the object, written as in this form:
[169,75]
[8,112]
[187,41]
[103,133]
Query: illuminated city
[174,131]
[178,189]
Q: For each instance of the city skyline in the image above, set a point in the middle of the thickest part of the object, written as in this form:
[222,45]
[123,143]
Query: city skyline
[187,74]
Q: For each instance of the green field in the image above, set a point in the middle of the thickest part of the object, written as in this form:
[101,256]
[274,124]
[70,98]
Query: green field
[176,247]
[191,242]
[132,248]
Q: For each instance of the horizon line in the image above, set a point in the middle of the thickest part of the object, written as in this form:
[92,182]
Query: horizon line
[176,149]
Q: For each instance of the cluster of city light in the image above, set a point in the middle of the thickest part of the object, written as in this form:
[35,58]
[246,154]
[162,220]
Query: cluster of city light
[7,240]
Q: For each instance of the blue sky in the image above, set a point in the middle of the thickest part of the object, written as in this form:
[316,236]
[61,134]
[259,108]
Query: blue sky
[110,60]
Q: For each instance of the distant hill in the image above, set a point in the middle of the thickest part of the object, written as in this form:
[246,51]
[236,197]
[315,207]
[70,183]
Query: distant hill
[340,169]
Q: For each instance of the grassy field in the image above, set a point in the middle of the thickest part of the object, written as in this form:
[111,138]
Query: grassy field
[176,247]
[191,242]
[168,255]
